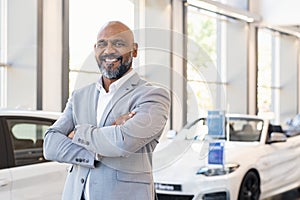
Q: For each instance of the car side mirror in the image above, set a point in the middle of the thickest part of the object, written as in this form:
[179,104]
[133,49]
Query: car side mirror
[277,137]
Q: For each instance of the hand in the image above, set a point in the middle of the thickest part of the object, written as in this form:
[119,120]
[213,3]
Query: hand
[123,118]
[71,135]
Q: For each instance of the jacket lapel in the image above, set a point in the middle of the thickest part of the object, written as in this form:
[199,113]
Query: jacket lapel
[92,107]
[128,86]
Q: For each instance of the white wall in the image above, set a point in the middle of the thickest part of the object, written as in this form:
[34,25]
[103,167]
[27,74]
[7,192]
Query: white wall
[242,4]
[277,12]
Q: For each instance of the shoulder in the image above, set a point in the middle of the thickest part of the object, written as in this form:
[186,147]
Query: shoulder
[85,90]
[154,90]
[152,86]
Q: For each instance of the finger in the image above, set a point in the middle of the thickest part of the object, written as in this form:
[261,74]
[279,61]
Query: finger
[71,135]
[131,114]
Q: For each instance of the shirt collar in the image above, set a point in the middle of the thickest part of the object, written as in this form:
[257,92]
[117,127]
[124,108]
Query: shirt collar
[117,84]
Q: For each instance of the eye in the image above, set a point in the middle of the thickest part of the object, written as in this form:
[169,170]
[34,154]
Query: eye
[119,44]
[101,44]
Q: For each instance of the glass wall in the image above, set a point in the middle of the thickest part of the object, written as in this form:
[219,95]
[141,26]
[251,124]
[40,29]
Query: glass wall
[217,63]
[277,78]
[264,75]
[18,48]
[202,54]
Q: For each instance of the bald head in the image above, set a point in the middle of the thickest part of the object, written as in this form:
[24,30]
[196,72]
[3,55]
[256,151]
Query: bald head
[116,28]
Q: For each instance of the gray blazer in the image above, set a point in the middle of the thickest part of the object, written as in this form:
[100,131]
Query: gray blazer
[124,170]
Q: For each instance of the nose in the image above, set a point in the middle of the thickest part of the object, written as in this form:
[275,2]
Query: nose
[109,49]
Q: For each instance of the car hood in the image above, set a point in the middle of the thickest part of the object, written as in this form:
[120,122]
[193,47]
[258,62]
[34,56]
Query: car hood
[181,159]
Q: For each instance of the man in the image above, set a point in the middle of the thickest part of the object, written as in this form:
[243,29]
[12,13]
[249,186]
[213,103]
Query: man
[109,129]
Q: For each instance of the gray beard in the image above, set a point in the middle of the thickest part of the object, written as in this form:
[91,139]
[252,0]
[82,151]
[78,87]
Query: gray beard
[115,73]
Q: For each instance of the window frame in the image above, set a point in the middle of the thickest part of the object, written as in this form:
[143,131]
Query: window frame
[5,146]
[20,119]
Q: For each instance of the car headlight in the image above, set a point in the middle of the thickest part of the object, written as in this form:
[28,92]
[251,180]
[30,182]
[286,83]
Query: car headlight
[216,171]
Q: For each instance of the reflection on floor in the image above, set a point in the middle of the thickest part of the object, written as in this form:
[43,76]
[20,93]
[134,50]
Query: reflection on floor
[290,195]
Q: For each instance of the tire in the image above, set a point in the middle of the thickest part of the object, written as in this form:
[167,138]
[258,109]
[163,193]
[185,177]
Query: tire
[250,187]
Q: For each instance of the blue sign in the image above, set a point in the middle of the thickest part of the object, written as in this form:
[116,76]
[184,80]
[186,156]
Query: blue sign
[216,153]
[216,123]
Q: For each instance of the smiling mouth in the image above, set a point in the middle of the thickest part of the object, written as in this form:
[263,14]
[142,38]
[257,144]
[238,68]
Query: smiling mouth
[111,59]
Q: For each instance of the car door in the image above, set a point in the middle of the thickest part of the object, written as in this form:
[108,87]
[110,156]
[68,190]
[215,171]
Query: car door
[276,164]
[33,177]
[5,175]
[5,184]
[293,160]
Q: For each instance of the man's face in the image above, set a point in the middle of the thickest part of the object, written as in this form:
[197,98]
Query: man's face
[114,51]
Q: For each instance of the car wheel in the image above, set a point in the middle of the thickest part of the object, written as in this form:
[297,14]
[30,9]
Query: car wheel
[250,187]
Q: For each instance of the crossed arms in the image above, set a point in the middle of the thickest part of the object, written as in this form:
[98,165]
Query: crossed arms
[126,135]
[119,121]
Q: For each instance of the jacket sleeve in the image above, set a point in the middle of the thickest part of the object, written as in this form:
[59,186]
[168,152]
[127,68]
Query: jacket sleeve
[152,112]
[58,147]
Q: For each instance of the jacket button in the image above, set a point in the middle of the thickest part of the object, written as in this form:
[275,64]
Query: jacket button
[82,180]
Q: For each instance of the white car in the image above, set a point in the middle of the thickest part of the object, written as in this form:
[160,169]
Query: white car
[24,173]
[254,160]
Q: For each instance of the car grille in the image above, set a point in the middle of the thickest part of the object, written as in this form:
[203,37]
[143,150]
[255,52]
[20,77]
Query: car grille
[216,196]
[174,197]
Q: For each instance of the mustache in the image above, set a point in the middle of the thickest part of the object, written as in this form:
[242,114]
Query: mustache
[111,56]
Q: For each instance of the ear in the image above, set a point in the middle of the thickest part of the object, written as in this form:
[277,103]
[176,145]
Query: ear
[94,47]
[135,49]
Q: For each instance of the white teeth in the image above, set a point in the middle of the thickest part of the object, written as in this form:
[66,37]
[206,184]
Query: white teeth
[111,60]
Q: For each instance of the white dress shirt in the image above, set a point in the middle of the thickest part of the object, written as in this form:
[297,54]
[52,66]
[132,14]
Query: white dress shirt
[103,100]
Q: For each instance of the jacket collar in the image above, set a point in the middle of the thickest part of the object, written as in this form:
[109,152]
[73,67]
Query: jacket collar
[124,89]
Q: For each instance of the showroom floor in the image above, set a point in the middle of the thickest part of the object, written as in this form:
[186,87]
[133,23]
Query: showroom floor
[291,195]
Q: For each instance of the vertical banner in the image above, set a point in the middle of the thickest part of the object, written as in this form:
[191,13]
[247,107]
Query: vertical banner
[216,153]
[216,130]
[216,123]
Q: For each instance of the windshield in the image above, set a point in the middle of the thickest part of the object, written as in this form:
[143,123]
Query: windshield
[236,129]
